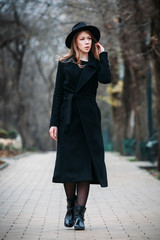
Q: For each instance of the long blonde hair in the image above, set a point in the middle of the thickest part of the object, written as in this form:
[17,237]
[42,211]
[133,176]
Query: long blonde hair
[74,53]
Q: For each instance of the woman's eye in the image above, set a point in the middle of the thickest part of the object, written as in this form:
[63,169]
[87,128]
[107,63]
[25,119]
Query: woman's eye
[89,38]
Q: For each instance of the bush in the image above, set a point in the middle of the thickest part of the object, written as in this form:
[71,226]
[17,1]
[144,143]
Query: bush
[158,177]
[3,133]
[12,134]
[1,146]
[134,159]
[9,148]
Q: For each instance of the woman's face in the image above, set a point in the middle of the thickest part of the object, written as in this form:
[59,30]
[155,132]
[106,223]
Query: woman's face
[84,42]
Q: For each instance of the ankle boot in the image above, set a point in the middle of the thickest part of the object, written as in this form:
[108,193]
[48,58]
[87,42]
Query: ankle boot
[79,218]
[69,217]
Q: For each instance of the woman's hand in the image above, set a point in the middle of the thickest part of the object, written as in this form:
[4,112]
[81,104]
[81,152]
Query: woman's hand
[99,47]
[53,132]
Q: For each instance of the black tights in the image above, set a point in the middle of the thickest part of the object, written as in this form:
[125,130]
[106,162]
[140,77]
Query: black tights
[82,189]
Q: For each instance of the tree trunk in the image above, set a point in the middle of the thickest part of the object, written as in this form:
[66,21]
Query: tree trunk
[128,103]
[155,43]
[134,51]
[117,107]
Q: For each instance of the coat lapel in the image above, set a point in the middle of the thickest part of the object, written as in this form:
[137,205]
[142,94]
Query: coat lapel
[88,72]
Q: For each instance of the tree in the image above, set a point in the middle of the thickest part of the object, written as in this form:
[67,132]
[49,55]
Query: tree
[28,47]
[155,47]
[134,28]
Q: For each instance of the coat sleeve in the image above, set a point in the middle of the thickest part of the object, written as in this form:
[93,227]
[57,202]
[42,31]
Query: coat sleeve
[104,73]
[57,96]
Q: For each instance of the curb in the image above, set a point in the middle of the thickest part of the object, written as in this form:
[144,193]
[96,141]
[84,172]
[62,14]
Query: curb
[4,165]
[16,157]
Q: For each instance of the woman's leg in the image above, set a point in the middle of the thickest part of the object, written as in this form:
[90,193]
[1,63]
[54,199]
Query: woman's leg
[82,196]
[82,193]
[70,194]
[70,189]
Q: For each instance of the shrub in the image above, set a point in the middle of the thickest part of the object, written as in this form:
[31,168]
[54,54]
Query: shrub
[12,134]
[8,147]
[1,146]
[3,133]
[133,159]
[158,176]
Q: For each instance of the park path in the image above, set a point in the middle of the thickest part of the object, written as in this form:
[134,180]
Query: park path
[33,208]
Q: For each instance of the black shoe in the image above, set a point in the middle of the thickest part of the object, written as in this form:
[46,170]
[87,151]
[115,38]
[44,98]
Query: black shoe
[79,218]
[69,218]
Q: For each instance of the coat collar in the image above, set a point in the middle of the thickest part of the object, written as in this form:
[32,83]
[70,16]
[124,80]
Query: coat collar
[88,72]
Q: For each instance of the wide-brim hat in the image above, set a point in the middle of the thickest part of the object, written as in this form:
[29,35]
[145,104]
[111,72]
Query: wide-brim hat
[81,26]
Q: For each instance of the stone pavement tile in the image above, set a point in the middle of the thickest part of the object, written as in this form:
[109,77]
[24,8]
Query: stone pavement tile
[32,207]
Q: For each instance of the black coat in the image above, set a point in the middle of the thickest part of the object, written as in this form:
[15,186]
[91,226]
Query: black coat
[80,150]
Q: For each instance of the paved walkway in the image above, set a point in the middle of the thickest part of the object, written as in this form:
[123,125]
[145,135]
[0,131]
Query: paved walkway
[32,207]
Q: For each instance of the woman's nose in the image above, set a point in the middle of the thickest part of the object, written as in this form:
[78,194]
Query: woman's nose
[87,41]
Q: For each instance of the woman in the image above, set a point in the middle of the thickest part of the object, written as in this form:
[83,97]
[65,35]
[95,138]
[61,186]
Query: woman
[76,121]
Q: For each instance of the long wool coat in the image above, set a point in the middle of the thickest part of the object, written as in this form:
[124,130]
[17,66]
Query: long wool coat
[80,150]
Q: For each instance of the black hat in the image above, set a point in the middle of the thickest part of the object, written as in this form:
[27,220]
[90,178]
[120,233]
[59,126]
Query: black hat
[81,26]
